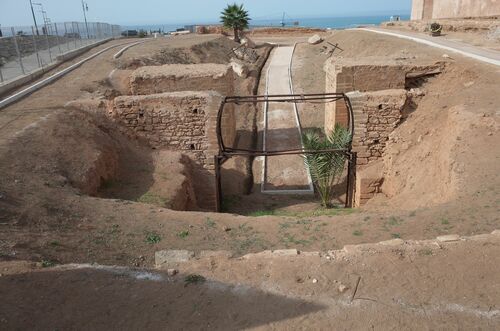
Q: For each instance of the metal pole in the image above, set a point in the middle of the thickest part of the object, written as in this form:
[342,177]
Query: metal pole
[36,48]
[73,32]
[65,35]
[79,35]
[57,37]
[1,76]
[84,5]
[48,44]
[218,191]
[34,18]
[17,50]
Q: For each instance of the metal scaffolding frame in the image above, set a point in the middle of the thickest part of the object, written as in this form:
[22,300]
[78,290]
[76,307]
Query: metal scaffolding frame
[226,152]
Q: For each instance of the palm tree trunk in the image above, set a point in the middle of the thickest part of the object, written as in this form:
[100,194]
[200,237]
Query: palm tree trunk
[236,35]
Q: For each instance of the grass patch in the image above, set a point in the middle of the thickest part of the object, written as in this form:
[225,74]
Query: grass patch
[425,252]
[396,235]
[48,263]
[304,214]
[153,238]
[152,199]
[444,221]
[194,279]
[357,233]
[290,239]
[210,223]
[183,234]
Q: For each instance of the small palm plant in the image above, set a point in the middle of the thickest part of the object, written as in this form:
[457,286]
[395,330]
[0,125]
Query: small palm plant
[235,17]
[325,167]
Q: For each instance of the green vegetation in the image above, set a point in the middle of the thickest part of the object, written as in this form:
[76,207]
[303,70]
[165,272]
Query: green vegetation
[210,223]
[396,235]
[306,213]
[183,234]
[152,199]
[325,167]
[47,263]
[153,237]
[235,17]
[357,233]
[194,279]
[425,252]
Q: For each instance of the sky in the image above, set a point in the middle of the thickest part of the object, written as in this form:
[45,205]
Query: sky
[129,12]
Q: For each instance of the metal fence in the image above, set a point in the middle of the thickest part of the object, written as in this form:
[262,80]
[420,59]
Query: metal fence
[24,49]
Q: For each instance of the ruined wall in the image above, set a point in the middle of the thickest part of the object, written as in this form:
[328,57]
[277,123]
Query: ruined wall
[429,9]
[363,77]
[376,115]
[346,78]
[182,77]
[183,121]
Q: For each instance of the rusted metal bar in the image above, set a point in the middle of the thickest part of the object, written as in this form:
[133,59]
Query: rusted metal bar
[218,186]
[351,180]
[227,152]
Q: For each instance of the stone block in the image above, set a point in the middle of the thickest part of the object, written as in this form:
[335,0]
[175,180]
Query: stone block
[170,258]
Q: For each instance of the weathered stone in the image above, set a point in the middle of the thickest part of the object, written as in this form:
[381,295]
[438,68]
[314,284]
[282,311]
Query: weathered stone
[448,238]
[316,39]
[168,258]
[393,242]
[219,254]
[239,69]
[286,252]
[342,288]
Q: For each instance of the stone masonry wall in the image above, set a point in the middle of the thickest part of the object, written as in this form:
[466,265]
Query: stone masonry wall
[347,77]
[376,115]
[183,121]
[182,77]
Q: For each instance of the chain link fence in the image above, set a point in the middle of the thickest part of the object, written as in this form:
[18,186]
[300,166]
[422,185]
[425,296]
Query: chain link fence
[24,49]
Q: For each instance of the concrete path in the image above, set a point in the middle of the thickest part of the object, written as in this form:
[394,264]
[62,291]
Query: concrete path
[285,173]
[477,53]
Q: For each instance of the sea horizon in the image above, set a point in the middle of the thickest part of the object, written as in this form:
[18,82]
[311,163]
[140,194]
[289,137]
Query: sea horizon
[316,22]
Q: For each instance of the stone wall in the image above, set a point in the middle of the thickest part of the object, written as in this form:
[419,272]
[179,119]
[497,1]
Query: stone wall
[182,77]
[376,115]
[183,121]
[346,77]
[429,9]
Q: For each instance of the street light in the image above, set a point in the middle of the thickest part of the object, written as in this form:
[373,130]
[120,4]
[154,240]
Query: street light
[85,7]
[34,19]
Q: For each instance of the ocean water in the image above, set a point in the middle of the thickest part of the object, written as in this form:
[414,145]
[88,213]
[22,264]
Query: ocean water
[322,22]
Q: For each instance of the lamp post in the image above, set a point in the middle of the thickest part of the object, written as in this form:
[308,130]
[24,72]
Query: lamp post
[85,8]
[34,18]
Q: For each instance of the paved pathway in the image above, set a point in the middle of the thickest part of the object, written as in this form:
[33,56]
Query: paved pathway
[284,173]
[477,53]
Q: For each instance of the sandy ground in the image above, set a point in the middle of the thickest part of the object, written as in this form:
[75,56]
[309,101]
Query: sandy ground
[413,286]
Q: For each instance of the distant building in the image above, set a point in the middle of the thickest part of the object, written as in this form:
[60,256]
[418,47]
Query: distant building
[432,9]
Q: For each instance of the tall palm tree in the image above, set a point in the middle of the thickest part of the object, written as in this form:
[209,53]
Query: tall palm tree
[326,167]
[235,17]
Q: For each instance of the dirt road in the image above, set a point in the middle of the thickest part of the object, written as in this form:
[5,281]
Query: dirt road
[285,173]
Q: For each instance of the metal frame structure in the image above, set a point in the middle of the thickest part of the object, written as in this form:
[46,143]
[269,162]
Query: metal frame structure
[226,152]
